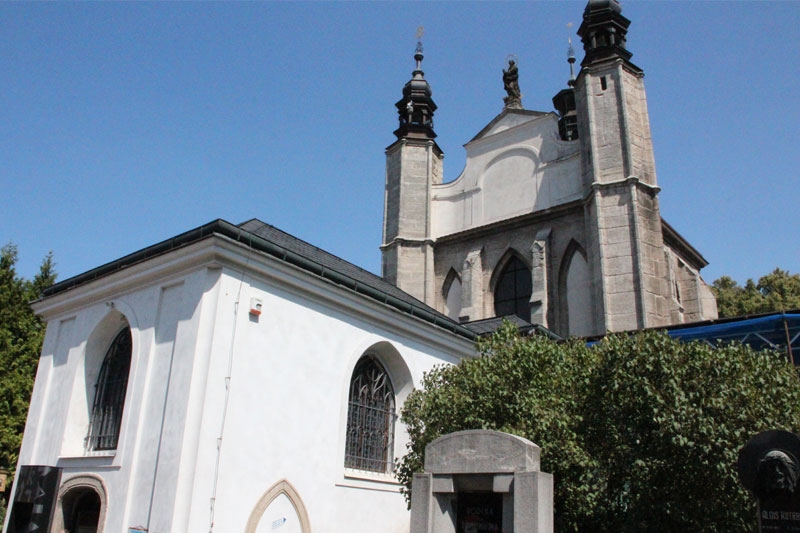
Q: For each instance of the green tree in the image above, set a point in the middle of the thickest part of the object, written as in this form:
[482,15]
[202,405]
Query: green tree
[528,387]
[21,334]
[640,432]
[665,421]
[777,291]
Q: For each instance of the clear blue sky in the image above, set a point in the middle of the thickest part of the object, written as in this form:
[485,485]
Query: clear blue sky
[124,124]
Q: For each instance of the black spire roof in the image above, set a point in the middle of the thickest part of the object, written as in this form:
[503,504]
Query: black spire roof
[416,108]
[603,31]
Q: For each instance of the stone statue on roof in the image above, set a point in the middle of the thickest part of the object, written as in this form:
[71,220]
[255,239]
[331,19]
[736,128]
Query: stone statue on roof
[511,85]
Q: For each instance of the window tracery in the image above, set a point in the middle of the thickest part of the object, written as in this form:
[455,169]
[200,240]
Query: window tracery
[370,418]
[109,395]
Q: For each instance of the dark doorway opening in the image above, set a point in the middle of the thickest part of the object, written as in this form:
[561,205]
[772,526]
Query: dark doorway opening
[81,511]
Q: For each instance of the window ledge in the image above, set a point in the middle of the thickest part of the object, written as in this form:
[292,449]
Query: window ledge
[365,480]
[367,476]
[101,453]
[104,459]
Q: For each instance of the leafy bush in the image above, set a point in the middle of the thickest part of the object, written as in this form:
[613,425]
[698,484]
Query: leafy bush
[641,432]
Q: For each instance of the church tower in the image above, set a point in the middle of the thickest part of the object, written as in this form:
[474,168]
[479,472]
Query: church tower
[413,166]
[624,226]
[555,218]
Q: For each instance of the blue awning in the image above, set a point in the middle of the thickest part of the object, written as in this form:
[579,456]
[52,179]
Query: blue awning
[774,331]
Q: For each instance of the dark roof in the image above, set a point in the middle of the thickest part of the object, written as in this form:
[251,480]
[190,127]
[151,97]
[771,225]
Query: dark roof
[676,240]
[270,240]
[487,326]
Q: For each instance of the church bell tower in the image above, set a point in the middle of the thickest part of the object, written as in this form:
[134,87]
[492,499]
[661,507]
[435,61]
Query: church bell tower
[413,165]
[626,246]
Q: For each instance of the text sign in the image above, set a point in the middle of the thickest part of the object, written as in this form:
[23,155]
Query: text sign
[479,512]
[779,517]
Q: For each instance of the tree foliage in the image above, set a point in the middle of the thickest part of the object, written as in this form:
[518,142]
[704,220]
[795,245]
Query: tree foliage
[777,291]
[641,432]
[21,334]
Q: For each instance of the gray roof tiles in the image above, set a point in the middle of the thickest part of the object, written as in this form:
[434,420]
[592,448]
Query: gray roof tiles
[268,239]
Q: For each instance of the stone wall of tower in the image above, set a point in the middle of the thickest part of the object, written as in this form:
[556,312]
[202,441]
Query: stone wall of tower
[653,268]
[638,127]
[412,166]
[613,124]
[627,252]
[691,299]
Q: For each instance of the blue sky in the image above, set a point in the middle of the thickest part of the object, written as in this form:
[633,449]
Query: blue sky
[125,124]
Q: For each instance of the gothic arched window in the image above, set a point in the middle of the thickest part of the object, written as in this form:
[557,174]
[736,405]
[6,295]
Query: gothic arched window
[452,295]
[512,293]
[370,418]
[109,395]
[574,289]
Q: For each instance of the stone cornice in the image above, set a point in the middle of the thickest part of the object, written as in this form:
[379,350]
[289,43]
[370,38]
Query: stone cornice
[630,180]
[605,65]
[512,223]
[400,143]
[400,241]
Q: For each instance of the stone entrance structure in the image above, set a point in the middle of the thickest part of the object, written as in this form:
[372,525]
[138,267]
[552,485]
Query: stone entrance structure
[477,481]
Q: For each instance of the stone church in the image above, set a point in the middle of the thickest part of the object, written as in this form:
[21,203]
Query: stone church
[235,378]
[555,217]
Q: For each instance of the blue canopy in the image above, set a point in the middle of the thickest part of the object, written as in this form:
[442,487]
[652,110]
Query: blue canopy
[776,331]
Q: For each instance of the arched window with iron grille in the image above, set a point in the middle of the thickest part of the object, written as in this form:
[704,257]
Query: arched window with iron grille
[109,395]
[370,418]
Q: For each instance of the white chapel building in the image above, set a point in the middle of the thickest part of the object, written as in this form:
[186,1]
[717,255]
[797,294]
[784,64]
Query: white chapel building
[237,379]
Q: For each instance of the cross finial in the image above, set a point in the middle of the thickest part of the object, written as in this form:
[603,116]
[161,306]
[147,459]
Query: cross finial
[570,58]
[420,33]
[418,53]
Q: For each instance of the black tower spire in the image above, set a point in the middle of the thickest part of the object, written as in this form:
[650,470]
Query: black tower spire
[416,108]
[603,32]
[564,102]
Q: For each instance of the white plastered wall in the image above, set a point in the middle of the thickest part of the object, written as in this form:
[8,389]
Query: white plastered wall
[518,166]
[273,388]
[287,407]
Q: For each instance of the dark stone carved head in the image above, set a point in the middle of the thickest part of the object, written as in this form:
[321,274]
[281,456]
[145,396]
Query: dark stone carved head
[777,474]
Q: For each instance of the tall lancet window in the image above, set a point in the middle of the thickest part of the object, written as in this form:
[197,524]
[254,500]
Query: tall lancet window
[512,293]
[370,418]
[452,295]
[109,395]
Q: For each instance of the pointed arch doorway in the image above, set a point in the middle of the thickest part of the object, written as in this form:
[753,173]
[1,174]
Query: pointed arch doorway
[279,509]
